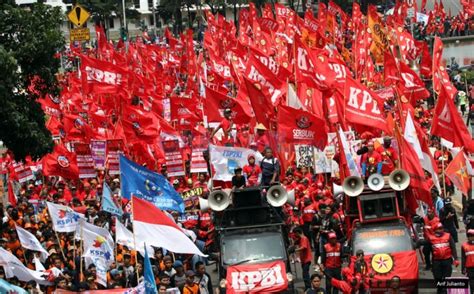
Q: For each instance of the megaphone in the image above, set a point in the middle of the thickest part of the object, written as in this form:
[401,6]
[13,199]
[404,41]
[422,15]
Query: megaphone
[203,204]
[277,196]
[337,190]
[375,182]
[399,180]
[219,200]
[353,186]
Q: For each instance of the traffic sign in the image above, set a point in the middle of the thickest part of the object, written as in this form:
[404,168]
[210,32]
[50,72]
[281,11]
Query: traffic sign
[78,15]
[79,34]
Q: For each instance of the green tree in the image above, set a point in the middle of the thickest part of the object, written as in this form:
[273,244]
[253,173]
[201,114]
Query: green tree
[29,40]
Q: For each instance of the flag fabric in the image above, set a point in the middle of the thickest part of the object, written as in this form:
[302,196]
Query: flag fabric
[98,247]
[153,227]
[86,226]
[102,77]
[65,220]
[457,173]
[292,100]
[6,287]
[150,284]
[14,268]
[124,237]
[448,123]
[109,203]
[301,127]
[29,241]
[411,136]
[12,199]
[225,160]
[351,164]
[61,163]
[140,182]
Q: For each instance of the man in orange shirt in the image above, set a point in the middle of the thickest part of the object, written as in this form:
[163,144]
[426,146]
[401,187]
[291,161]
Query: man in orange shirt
[190,287]
[304,249]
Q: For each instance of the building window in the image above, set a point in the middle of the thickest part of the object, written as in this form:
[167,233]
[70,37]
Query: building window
[150,5]
[152,20]
[111,22]
[136,3]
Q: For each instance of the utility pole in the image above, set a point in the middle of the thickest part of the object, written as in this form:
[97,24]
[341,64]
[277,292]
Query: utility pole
[154,18]
[124,16]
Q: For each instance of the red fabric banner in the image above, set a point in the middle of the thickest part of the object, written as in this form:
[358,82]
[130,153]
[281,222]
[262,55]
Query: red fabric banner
[257,278]
[85,162]
[174,158]
[61,163]
[102,77]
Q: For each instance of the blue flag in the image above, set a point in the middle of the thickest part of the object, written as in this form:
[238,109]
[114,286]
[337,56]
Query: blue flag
[108,203]
[6,287]
[150,285]
[145,184]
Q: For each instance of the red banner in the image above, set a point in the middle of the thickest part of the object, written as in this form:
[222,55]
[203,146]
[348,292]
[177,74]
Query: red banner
[257,278]
[112,159]
[102,77]
[174,159]
[198,163]
[85,162]
[23,172]
[385,266]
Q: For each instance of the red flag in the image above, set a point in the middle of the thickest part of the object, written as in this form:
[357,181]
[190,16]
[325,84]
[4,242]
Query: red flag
[363,106]
[216,103]
[261,104]
[301,127]
[426,63]
[11,194]
[102,77]
[184,108]
[411,164]
[140,124]
[448,123]
[76,128]
[457,173]
[270,84]
[61,163]
[312,67]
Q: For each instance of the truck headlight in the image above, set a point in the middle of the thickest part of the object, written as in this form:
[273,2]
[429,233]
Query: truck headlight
[289,277]
[222,283]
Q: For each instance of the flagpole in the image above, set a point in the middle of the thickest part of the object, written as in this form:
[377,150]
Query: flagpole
[82,251]
[115,245]
[443,169]
[60,248]
[74,251]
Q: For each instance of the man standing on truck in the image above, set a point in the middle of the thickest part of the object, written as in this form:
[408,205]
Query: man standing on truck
[467,258]
[303,247]
[331,261]
[270,168]
[444,251]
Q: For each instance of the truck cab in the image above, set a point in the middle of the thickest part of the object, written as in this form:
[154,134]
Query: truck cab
[377,218]
[251,235]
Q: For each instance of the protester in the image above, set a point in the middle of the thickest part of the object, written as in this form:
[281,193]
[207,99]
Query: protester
[304,249]
[467,258]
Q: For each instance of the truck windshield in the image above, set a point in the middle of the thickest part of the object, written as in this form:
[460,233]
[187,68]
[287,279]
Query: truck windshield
[252,248]
[382,240]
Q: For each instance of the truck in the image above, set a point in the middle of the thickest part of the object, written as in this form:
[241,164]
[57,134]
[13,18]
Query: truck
[377,222]
[251,234]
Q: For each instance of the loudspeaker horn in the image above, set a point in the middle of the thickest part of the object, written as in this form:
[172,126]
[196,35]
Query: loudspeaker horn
[203,204]
[399,180]
[219,200]
[277,196]
[353,186]
[375,182]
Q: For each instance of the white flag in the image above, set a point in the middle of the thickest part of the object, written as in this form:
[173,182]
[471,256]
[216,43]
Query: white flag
[97,242]
[351,164]
[64,219]
[38,265]
[29,241]
[226,159]
[293,100]
[86,226]
[13,267]
[410,135]
[124,237]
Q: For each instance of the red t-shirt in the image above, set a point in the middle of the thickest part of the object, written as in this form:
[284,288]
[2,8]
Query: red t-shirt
[305,254]
[252,172]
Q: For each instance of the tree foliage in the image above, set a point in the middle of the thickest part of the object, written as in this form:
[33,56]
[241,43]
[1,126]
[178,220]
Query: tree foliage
[29,40]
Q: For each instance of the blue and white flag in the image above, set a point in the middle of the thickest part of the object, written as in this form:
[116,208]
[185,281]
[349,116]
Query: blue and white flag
[150,284]
[226,159]
[143,183]
[65,220]
[108,203]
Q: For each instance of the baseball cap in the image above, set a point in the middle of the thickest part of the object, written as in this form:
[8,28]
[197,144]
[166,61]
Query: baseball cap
[332,236]
[190,273]
[470,232]
[439,226]
[177,263]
